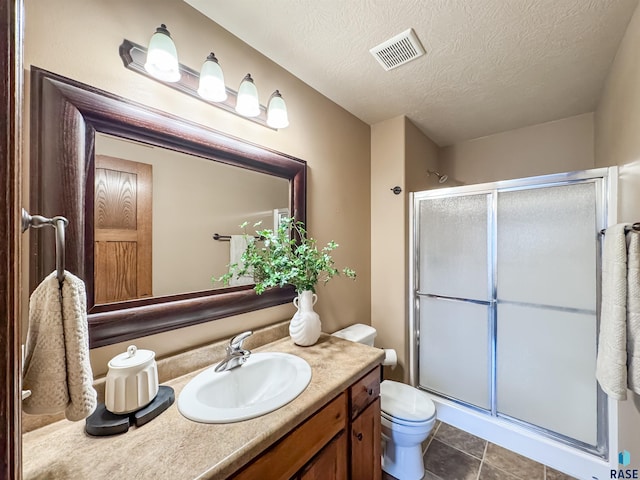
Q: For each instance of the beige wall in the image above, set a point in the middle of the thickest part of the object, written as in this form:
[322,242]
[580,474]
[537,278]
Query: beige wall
[388,289]
[421,154]
[80,39]
[560,146]
[617,142]
[400,156]
[617,118]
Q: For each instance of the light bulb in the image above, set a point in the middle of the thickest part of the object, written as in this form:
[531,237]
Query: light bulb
[277,116]
[247,103]
[162,57]
[211,86]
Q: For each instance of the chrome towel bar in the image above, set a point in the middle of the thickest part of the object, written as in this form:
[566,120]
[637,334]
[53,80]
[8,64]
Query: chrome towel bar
[59,224]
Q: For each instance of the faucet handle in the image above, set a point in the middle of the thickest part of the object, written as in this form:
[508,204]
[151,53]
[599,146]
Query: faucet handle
[236,342]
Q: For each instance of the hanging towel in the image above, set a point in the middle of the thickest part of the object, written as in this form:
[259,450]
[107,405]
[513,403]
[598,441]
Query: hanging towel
[237,246]
[57,369]
[633,313]
[611,363]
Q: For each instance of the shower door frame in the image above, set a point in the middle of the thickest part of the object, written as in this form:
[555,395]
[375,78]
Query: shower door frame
[605,180]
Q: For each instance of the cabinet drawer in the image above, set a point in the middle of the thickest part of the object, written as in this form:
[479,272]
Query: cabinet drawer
[364,391]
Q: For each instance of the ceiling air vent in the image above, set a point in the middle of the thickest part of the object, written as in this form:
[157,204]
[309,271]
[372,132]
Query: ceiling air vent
[398,50]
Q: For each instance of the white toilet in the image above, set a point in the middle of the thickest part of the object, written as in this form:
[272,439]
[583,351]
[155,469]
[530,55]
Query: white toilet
[408,415]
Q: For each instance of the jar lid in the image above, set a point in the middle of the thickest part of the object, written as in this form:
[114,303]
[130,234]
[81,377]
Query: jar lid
[131,358]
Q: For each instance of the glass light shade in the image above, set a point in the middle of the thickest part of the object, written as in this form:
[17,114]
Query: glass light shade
[247,103]
[211,86]
[277,116]
[162,57]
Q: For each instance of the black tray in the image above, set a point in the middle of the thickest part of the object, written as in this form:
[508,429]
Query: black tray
[102,422]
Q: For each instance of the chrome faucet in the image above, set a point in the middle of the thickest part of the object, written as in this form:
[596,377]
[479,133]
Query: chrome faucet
[236,355]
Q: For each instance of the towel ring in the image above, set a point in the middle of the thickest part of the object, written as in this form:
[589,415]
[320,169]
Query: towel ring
[59,224]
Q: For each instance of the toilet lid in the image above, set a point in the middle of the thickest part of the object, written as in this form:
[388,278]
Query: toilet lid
[405,402]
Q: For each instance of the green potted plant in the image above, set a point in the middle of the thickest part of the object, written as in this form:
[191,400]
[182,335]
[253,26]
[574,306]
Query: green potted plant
[287,256]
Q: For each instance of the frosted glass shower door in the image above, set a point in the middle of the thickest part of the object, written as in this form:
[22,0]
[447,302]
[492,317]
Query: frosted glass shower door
[455,350]
[454,246]
[455,297]
[546,297]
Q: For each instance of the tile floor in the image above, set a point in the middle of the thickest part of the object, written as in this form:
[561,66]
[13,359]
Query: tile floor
[452,454]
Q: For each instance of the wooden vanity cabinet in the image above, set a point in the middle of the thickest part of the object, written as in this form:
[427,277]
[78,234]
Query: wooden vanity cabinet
[341,441]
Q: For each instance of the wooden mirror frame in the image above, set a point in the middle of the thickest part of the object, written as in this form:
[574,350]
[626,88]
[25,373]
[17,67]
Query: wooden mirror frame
[11,79]
[65,116]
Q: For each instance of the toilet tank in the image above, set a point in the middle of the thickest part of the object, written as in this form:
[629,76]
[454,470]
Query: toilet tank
[358,333]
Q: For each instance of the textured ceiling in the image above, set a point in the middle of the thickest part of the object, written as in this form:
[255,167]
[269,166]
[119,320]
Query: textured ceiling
[491,65]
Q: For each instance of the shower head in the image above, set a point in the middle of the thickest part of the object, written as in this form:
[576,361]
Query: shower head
[441,178]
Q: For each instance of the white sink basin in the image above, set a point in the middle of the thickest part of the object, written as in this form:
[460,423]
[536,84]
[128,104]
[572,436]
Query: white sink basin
[265,382]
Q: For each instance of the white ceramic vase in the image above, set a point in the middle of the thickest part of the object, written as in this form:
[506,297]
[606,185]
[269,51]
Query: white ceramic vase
[305,325]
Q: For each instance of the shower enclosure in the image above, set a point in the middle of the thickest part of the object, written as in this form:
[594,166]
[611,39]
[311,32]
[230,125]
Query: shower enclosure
[504,302]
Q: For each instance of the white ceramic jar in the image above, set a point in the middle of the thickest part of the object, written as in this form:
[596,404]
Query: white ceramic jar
[132,381]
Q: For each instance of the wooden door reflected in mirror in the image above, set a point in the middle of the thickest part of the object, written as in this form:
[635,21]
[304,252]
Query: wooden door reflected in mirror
[123,225]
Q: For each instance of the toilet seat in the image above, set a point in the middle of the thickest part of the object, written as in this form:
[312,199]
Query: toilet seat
[405,405]
[405,423]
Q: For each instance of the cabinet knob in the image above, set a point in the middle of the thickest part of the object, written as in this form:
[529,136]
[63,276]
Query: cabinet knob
[359,436]
[370,391]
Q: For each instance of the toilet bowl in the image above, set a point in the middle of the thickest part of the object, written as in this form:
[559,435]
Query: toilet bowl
[408,416]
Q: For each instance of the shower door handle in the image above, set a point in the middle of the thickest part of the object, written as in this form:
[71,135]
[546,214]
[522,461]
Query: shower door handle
[455,299]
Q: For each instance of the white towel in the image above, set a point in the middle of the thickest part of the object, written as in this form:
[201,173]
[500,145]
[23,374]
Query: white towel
[237,246]
[611,364]
[57,369]
[633,313]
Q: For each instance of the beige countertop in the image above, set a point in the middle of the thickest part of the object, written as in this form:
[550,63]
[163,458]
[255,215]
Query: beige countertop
[172,447]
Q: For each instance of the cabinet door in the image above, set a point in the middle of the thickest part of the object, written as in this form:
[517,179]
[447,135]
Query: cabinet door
[289,455]
[330,463]
[365,444]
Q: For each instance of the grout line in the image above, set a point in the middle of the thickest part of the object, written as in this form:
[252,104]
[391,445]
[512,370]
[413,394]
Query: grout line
[463,451]
[456,448]
[484,454]
[426,447]
[432,435]
[482,459]
[513,475]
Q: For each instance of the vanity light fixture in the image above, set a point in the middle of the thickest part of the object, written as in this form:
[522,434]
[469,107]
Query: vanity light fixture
[247,103]
[211,86]
[162,57]
[160,62]
[277,116]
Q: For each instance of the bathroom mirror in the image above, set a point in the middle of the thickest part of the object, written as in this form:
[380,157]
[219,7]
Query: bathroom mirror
[66,119]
